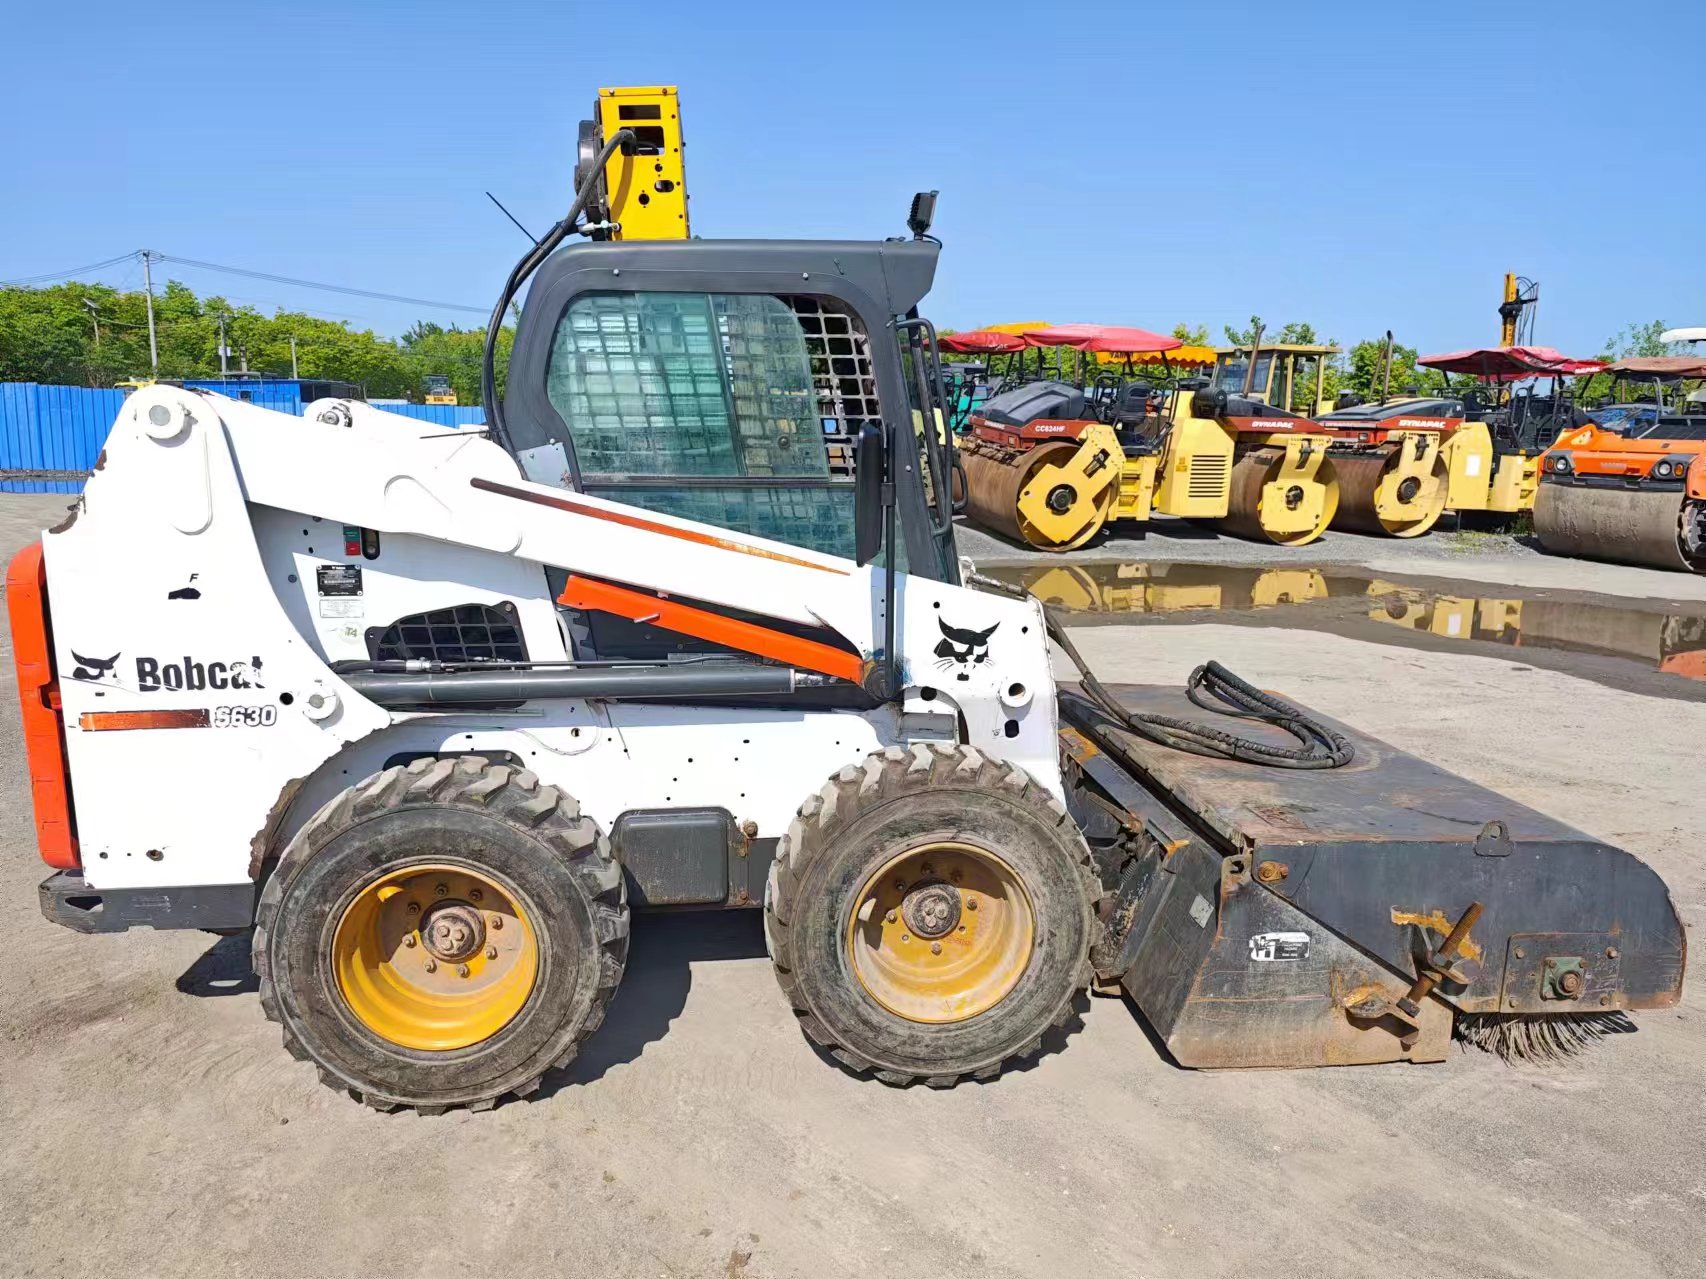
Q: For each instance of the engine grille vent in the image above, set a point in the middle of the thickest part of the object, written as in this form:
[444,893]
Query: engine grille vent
[466,633]
[1208,475]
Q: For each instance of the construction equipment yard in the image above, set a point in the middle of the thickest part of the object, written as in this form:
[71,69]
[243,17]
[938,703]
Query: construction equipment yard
[696,1133]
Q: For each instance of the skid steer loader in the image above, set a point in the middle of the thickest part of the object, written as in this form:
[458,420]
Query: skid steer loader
[682,626]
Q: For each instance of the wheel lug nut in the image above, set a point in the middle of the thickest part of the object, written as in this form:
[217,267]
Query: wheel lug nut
[962,928]
[497,921]
[474,894]
[906,936]
[900,885]
[409,941]
[927,869]
[432,965]
[935,948]
[491,952]
[957,876]
[414,908]
[441,890]
[971,903]
[889,918]
[462,970]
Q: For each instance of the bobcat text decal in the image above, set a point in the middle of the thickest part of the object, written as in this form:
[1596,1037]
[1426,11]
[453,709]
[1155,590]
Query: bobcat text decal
[153,675]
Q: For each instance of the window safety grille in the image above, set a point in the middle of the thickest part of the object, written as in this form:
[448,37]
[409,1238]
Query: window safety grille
[699,387]
[466,633]
[842,380]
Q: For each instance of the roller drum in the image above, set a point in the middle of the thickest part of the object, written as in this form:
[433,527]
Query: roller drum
[1360,478]
[1626,526]
[993,488]
[1243,512]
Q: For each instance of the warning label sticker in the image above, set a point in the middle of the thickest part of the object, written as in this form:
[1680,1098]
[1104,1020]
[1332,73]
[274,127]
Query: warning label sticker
[1269,948]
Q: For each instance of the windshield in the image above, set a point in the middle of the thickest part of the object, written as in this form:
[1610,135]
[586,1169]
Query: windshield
[732,409]
[1230,371]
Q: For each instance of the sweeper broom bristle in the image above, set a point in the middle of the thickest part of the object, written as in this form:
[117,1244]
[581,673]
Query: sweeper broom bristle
[1520,1037]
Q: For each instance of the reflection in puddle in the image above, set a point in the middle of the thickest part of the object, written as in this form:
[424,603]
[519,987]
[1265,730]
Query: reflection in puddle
[1667,641]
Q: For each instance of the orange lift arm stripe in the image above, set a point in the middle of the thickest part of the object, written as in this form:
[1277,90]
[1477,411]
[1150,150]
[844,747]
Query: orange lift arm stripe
[637,606]
[576,506]
[99,721]
[38,697]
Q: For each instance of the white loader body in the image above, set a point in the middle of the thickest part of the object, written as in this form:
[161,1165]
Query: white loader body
[208,582]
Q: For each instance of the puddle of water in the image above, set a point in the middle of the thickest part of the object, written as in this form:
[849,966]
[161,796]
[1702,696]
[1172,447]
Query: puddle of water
[1674,642]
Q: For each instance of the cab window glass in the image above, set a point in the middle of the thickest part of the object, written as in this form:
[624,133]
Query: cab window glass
[665,394]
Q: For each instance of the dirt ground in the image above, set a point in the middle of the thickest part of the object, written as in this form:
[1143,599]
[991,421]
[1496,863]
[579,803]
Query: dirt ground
[152,1125]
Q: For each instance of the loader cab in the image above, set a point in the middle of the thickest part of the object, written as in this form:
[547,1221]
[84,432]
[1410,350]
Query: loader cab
[1289,375]
[730,382]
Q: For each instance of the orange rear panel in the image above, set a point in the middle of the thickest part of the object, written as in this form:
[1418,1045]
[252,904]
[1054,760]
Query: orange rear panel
[38,696]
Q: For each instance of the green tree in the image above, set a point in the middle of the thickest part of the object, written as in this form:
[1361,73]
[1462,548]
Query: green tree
[1632,340]
[1362,372]
[50,335]
[1298,332]
[1637,339]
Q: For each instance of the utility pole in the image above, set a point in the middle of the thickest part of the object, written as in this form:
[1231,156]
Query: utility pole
[148,256]
[222,369]
[293,372]
[95,319]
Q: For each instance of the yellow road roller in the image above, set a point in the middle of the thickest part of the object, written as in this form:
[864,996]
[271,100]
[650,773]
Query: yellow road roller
[1050,463]
[1475,448]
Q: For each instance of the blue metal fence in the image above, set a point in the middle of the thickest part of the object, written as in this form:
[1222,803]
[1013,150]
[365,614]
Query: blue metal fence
[51,435]
[443,414]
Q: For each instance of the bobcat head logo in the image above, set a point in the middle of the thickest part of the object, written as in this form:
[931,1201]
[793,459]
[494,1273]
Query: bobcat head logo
[962,649]
[93,669]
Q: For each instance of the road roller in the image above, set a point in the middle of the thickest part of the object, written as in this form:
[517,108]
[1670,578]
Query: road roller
[1402,463]
[1394,464]
[1049,466]
[1640,501]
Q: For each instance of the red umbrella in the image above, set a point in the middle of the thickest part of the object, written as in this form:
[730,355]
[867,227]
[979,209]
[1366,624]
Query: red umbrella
[982,342]
[1510,363]
[1102,337]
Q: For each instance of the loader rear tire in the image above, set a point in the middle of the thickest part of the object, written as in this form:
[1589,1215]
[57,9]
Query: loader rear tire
[929,915]
[342,932]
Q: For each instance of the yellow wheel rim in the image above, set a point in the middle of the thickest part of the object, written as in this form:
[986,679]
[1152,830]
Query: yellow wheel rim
[435,957]
[941,933]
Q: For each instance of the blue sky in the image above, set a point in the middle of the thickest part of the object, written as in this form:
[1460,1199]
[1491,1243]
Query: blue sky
[1357,166]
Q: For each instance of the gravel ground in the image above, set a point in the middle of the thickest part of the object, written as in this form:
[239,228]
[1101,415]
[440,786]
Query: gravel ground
[153,1126]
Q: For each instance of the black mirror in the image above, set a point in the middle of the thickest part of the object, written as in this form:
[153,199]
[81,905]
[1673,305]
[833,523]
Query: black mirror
[869,465]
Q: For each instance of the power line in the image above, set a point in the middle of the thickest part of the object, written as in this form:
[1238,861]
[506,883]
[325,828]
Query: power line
[330,288]
[79,270]
[253,275]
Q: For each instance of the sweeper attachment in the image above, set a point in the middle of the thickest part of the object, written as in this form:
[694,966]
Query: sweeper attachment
[432,712]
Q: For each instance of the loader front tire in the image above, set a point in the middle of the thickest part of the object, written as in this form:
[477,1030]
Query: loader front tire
[441,935]
[929,915]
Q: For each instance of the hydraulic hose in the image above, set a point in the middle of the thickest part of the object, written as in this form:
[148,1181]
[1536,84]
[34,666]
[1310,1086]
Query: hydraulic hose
[496,426]
[1319,746]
